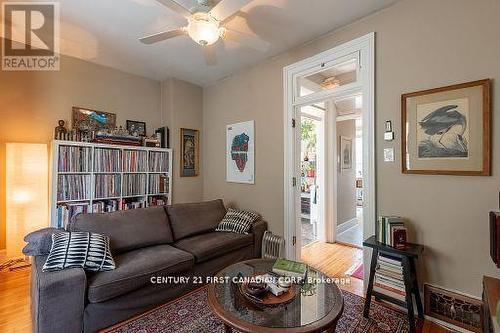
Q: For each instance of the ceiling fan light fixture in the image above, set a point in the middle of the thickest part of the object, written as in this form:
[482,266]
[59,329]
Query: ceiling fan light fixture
[203,29]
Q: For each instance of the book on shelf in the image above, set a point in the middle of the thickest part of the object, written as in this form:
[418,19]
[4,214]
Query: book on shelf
[157,201]
[67,211]
[135,160]
[126,205]
[107,160]
[290,268]
[73,187]
[107,186]
[388,226]
[134,184]
[158,183]
[158,161]
[105,206]
[389,278]
[74,159]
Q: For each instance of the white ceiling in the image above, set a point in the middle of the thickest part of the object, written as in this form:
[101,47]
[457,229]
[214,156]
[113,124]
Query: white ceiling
[107,31]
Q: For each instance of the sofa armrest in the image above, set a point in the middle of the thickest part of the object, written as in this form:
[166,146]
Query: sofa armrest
[57,298]
[258,230]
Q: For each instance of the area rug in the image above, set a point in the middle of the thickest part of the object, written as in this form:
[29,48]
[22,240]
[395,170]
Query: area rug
[358,272]
[192,314]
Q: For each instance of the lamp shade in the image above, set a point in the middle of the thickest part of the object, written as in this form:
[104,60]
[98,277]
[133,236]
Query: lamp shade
[26,192]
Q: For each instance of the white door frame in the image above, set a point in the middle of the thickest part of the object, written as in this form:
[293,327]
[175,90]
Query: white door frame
[365,49]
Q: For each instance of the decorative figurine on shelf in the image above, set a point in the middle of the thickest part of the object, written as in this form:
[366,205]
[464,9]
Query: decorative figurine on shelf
[60,131]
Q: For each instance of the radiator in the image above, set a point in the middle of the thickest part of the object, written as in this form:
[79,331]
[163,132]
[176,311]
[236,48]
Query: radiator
[272,246]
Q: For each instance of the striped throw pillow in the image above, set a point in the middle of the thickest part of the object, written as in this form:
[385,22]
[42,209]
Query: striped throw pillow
[237,221]
[79,249]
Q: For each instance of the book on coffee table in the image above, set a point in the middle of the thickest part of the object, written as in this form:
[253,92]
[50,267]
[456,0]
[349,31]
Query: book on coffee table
[290,268]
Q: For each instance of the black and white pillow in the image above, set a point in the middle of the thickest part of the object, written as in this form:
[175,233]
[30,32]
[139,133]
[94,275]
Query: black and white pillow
[237,221]
[79,249]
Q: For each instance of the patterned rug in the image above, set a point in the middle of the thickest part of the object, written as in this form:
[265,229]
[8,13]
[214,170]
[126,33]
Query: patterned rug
[192,313]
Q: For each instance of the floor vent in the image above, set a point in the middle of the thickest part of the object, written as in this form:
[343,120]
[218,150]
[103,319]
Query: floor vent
[456,309]
[272,246]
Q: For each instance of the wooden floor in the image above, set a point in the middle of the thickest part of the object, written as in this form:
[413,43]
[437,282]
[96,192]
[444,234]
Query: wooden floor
[336,260]
[333,259]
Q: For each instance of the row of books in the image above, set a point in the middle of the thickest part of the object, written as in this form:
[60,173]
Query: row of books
[107,160]
[126,205]
[158,183]
[134,184]
[135,160]
[158,161]
[157,201]
[105,206]
[73,187]
[74,159]
[391,230]
[66,212]
[107,186]
[389,277]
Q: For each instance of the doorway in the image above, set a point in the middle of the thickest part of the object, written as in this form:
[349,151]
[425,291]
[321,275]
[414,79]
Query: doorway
[312,172]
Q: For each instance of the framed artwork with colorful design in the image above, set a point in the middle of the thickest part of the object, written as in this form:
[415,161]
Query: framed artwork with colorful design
[190,142]
[240,154]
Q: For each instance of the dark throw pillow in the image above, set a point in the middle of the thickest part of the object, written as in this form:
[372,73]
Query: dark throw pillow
[79,249]
[237,221]
[39,242]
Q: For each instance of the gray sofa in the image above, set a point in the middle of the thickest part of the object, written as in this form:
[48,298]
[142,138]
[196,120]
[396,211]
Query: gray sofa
[177,240]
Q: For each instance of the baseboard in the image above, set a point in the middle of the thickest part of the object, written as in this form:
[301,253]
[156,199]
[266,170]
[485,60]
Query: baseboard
[346,225]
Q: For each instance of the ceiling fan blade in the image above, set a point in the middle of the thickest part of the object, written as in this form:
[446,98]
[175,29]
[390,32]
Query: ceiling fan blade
[209,54]
[161,36]
[253,42]
[227,8]
[176,7]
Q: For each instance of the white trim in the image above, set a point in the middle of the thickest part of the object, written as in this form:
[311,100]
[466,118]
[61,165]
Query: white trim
[365,83]
[343,227]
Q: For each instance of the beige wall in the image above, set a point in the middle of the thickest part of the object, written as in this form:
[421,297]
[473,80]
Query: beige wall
[346,178]
[420,44]
[32,102]
[182,107]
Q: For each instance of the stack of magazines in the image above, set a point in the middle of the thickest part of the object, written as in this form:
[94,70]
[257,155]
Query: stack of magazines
[389,277]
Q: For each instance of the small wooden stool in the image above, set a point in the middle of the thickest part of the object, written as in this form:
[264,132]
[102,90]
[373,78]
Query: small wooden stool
[408,256]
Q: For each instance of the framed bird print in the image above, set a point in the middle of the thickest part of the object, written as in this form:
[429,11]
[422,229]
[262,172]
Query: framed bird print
[446,131]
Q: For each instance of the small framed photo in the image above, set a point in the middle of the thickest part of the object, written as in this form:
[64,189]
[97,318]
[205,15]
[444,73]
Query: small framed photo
[190,150]
[138,127]
[345,153]
[446,131]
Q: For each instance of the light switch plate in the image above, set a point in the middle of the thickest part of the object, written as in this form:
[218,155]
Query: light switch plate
[388,154]
[389,136]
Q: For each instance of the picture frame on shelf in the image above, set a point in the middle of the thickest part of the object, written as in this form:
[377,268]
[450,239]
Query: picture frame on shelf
[88,120]
[447,130]
[190,150]
[138,127]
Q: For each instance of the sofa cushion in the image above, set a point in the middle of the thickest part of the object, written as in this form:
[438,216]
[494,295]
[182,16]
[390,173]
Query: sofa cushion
[134,270]
[195,218]
[213,244]
[127,229]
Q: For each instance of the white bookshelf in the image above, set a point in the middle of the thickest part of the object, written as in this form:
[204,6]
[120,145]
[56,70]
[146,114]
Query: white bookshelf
[90,173]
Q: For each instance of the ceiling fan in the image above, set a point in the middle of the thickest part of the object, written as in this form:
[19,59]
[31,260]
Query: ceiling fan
[206,25]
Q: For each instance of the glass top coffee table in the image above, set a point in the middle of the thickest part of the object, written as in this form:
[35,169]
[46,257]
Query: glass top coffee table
[316,308]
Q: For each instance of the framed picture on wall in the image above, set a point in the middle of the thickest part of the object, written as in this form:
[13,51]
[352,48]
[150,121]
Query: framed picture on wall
[446,131]
[87,120]
[240,155]
[138,127]
[345,153]
[189,152]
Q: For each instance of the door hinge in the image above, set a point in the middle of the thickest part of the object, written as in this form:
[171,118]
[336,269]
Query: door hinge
[294,240]
[294,181]
[293,122]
